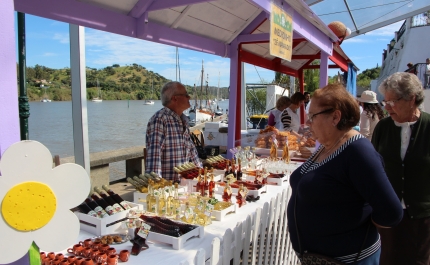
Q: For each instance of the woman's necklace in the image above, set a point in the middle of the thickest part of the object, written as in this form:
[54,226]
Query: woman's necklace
[338,141]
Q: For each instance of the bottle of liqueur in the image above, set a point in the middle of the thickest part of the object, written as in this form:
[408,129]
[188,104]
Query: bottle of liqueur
[117,198]
[138,186]
[188,214]
[226,195]
[101,213]
[109,199]
[162,203]
[84,208]
[150,199]
[240,200]
[211,187]
[176,203]
[239,171]
[202,184]
[100,201]
[233,168]
[169,200]
[227,167]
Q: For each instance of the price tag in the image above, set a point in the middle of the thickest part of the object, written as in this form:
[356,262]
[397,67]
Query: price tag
[144,230]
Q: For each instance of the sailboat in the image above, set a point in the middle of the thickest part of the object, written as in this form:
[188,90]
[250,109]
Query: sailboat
[45,96]
[150,101]
[99,98]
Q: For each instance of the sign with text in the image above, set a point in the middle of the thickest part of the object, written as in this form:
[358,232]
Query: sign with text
[281,33]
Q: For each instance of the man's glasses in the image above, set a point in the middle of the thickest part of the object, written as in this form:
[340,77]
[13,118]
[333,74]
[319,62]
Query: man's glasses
[312,117]
[390,102]
[184,94]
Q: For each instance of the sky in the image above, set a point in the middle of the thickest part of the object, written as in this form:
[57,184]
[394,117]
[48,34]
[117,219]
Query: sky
[47,44]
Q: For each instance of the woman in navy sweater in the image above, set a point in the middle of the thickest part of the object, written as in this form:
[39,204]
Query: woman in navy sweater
[341,192]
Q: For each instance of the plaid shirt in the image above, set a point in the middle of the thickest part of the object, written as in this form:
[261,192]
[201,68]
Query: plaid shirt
[168,144]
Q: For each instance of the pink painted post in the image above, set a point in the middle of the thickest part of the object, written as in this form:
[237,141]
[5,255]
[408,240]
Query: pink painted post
[232,102]
[9,117]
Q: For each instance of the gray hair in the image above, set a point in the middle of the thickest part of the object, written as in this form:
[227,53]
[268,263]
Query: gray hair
[169,89]
[404,85]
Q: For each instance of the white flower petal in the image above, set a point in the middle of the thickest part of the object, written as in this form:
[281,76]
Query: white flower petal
[36,158]
[72,181]
[14,244]
[60,233]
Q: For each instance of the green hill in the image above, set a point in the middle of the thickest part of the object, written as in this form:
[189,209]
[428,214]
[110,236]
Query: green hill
[116,83]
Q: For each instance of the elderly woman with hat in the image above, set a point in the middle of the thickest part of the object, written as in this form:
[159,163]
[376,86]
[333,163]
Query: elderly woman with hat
[403,141]
[371,114]
[341,192]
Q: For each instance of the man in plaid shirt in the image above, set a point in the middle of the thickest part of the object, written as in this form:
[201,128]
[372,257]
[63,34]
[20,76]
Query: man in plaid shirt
[168,141]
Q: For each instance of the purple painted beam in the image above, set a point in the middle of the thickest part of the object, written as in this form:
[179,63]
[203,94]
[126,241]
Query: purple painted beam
[252,38]
[324,69]
[303,27]
[163,4]
[79,13]
[232,102]
[9,116]
[162,34]
[139,8]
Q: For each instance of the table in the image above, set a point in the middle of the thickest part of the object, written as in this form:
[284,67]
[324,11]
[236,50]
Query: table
[160,253]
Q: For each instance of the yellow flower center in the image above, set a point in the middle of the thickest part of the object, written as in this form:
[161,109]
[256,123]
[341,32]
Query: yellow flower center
[29,206]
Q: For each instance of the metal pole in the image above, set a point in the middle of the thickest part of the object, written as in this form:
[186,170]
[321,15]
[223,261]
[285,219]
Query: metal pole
[24,107]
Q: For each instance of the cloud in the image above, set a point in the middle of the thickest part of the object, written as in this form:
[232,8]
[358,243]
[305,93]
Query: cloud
[62,38]
[356,40]
[387,30]
[49,54]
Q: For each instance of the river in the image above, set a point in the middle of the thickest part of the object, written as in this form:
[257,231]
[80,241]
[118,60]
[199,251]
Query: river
[112,124]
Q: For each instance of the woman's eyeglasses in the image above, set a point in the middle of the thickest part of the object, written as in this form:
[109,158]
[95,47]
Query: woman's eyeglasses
[312,117]
[390,102]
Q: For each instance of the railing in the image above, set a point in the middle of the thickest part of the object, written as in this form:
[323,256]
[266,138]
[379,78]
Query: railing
[99,163]
[419,69]
[401,31]
[421,20]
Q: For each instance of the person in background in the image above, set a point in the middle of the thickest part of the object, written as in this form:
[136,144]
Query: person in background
[168,142]
[427,74]
[341,192]
[307,98]
[275,115]
[371,114]
[403,141]
[411,69]
[290,117]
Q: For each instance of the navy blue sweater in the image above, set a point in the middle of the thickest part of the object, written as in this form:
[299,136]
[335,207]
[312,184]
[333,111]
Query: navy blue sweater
[338,197]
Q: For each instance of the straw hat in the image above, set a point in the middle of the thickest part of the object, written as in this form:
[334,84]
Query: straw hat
[368,97]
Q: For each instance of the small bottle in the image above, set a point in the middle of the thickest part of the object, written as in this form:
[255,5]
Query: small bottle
[211,187]
[140,181]
[239,171]
[150,199]
[176,203]
[138,186]
[84,208]
[199,180]
[169,200]
[117,198]
[227,167]
[100,201]
[101,213]
[188,214]
[239,197]
[109,199]
[162,203]
[233,168]
[226,195]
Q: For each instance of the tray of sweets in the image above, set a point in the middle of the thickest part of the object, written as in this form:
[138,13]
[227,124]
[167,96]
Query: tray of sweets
[254,192]
[220,215]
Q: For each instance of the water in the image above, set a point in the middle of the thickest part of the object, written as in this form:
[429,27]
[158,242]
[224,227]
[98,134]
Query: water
[112,124]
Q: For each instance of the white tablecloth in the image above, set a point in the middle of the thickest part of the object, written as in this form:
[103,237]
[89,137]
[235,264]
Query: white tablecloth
[164,254]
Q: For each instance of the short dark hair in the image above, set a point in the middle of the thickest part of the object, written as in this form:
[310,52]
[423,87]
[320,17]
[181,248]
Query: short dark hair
[283,101]
[297,97]
[336,96]
[306,93]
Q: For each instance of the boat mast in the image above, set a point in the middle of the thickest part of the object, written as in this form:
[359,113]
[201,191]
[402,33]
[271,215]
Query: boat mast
[201,87]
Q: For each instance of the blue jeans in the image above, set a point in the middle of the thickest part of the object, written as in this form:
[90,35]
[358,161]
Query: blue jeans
[372,260]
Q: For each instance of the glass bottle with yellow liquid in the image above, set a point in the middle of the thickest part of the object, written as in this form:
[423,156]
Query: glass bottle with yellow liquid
[169,200]
[188,216]
[151,201]
[162,203]
[176,203]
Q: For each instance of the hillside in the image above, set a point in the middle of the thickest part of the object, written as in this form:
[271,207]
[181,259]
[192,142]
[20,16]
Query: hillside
[116,83]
